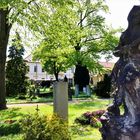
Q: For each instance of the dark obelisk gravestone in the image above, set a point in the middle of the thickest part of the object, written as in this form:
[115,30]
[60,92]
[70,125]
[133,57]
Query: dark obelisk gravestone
[122,119]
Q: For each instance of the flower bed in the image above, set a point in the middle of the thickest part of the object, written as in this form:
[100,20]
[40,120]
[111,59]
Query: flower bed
[90,118]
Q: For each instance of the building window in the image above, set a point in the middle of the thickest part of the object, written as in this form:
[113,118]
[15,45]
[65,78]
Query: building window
[35,68]
[43,70]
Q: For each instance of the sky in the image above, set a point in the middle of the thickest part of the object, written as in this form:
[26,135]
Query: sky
[117,16]
[119,10]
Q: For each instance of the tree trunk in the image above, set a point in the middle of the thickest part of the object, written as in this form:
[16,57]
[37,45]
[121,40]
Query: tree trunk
[56,76]
[55,70]
[4,36]
[81,76]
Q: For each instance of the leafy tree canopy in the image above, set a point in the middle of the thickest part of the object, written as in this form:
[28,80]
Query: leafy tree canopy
[75,31]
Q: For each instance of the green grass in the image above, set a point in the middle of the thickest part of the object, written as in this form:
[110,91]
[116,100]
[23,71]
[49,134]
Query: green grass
[12,137]
[28,100]
[45,90]
[75,110]
[13,100]
[88,133]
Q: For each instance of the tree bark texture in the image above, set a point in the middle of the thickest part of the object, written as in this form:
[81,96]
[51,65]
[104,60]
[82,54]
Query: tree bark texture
[4,36]
[126,86]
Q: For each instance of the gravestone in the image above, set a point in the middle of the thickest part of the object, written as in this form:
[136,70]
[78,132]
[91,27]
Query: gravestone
[122,119]
[60,95]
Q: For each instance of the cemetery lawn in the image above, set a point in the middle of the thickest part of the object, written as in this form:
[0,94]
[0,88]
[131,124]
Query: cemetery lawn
[75,110]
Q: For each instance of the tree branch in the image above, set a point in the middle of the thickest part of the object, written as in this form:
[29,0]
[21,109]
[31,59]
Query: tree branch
[88,24]
[18,12]
[94,38]
[85,16]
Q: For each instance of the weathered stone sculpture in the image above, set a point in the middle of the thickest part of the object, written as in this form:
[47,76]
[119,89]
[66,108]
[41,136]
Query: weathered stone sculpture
[125,85]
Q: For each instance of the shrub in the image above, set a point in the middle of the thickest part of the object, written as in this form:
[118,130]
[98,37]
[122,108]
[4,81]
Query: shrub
[21,97]
[94,122]
[104,87]
[90,118]
[36,127]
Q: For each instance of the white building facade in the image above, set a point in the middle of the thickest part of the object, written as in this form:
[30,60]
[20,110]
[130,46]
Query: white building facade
[37,73]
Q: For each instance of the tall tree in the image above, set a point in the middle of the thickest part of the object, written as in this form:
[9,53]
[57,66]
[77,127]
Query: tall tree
[10,12]
[54,59]
[16,69]
[93,36]
[55,47]
[77,25]
[4,36]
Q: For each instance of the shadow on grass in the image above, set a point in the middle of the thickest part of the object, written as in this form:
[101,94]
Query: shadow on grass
[10,113]
[8,121]
[8,129]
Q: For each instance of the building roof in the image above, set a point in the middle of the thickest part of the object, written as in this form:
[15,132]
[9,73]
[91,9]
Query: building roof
[108,65]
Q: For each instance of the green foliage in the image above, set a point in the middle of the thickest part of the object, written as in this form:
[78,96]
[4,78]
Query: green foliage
[37,127]
[12,137]
[71,33]
[11,11]
[8,122]
[16,69]
[103,88]
[8,128]
[55,47]
[16,9]
[77,131]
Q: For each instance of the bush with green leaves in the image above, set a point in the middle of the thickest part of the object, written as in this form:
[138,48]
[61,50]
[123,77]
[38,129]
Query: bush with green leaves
[104,87]
[45,127]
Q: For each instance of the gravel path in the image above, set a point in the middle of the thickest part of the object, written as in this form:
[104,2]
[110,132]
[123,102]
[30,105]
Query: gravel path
[48,103]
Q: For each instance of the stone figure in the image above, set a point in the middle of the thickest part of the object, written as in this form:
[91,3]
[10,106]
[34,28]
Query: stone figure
[122,119]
